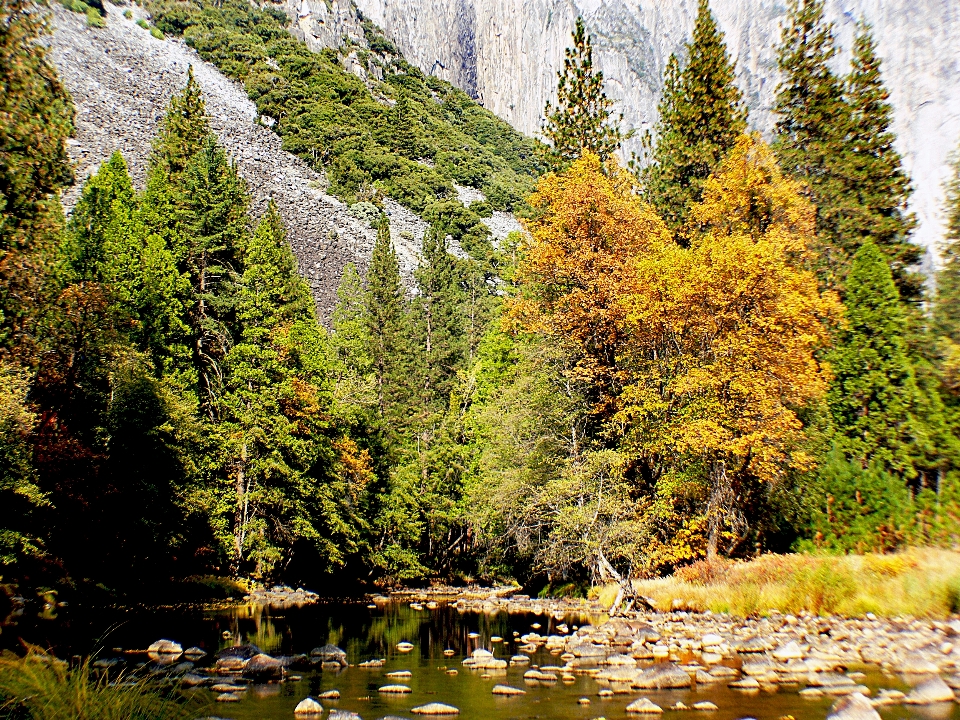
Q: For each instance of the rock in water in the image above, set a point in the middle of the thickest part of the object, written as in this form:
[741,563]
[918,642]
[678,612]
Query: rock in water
[662,676]
[435,709]
[329,695]
[329,654]
[394,689]
[916,664]
[644,706]
[308,706]
[853,707]
[343,715]
[263,667]
[243,652]
[930,691]
[507,690]
[790,651]
[705,705]
[165,647]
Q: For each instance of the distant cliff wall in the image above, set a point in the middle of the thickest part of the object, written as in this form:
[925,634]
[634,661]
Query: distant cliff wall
[510,58]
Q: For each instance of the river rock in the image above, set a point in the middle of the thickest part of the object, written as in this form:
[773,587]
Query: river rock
[747,683]
[404,646]
[519,660]
[953,681]
[507,690]
[644,706]
[165,647]
[662,676]
[753,645]
[329,695]
[400,674]
[790,651]
[329,654]
[930,691]
[620,660]
[916,664]
[228,698]
[262,668]
[245,652]
[435,708]
[195,653]
[853,707]
[394,689]
[191,680]
[587,650]
[705,705]
[308,706]
[343,715]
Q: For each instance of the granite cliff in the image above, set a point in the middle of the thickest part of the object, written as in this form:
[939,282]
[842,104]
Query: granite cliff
[506,54]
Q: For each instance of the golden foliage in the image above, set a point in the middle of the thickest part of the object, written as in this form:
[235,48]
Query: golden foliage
[589,227]
[703,354]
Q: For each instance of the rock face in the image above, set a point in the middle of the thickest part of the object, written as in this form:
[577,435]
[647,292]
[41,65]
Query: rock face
[506,54]
[121,79]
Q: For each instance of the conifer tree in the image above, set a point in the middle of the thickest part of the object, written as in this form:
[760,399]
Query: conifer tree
[581,119]
[36,118]
[272,408]
[350,340]
[812,127]
[701,117]
[386,318]
[439,324]
[874,394]
[213,218]
[881,187]
[946,313]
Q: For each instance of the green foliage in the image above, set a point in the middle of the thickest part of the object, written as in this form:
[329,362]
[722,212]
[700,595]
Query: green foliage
[581,118]
[41,687]
[336,122]
[834,134]
[873,397]
[701,116]
[36,117]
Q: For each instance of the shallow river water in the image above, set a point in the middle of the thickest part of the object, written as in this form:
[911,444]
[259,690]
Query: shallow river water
[366,633]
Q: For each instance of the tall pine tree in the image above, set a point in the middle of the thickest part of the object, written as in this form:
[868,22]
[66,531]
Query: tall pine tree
[873,397]
[581,118]
[387,326]
[812,126]
[701,117]
[880,187]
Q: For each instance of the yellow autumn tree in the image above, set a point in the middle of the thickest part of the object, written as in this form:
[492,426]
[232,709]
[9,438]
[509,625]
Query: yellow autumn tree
[588,230]
[720,354]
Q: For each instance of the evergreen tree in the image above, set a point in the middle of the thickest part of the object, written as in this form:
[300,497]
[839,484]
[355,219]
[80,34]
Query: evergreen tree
[881,188]
[874,395]
[581,118]
[36,118]
[213,218]
[386,318]
[273,425]
[438,321]
[701,117]
[350,340]
[946,312]
[812,127]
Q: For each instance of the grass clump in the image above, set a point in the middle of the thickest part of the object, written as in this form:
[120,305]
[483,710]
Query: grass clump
[916,582]
[39,686]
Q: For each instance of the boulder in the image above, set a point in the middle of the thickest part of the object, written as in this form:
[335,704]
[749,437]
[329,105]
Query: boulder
[263,668]
[435,708]
[662,676]
[308,706]
[930,691]
[644,706]
[790,651]
[343,715]
[507,690]
[853,707]
[195,653]
[329,654]
[916,664]
[587,650]
[165,647]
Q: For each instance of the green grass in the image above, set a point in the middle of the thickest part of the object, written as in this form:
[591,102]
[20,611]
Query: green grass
[916,582]
[41,687]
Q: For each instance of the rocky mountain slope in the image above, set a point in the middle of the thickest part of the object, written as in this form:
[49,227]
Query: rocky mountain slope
[506,53]
[121,79]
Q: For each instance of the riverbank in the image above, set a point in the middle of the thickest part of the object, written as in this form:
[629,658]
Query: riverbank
[915,583]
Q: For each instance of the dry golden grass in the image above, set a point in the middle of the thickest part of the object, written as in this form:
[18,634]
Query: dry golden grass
[917,582]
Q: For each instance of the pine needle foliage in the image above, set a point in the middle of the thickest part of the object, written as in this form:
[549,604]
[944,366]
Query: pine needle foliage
[581,119]
[701,117]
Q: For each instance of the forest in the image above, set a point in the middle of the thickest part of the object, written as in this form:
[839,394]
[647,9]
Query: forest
[720,347]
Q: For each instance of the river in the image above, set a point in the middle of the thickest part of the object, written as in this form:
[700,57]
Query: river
[367,633]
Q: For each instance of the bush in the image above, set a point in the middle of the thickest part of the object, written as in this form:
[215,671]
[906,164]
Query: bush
[366,212]
[41,687]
